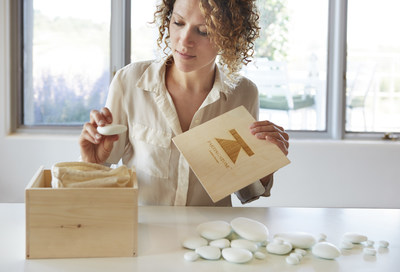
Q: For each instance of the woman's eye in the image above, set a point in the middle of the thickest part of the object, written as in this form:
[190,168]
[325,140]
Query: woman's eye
[178,23]
[203,33]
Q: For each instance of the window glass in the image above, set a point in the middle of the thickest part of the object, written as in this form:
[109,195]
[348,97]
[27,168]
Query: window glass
[143,32]
[66,60]
[373,66]
[291,62]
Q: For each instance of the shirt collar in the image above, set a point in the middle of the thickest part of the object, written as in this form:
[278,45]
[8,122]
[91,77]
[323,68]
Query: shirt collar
[153,79]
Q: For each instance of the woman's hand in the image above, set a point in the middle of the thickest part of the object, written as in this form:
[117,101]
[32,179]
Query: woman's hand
[95,147]
[272,133]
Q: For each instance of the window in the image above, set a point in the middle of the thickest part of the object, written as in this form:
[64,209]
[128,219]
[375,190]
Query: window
[373,66]
[66,60]
[291,62]
[70,55]
[143,33]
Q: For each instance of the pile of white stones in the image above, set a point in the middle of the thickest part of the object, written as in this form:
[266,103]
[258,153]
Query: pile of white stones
[241,240]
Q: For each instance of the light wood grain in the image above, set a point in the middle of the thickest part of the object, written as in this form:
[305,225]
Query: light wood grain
[225,156]
[80,222]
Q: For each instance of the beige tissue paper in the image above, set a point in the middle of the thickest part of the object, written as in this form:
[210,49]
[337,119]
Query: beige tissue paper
[84,174]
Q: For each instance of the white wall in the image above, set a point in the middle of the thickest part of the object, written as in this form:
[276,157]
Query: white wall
[338,174]
[322,173]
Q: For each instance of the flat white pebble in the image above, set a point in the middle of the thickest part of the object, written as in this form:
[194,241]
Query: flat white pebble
[279,247]
[369,251]
[296,255]
[214,230]
[242,243]
[112,129]
[322,237]
[326,250]
[298,239]
[194,242]
[221,243]
[250,229]
[383,243]
[300,251]
[354,237]
[191,256]
[237,255]
[259,255]
[209,252]
[292,260]
[370,243]
[346,245]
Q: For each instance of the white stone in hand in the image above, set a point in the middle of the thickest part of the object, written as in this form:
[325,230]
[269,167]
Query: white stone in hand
[112,129]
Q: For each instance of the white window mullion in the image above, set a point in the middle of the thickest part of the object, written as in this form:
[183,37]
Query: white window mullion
[336,69]
[120,35]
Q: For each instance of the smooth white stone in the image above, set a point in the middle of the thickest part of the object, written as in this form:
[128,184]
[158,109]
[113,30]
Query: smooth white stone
[322,237]
[259,255]
[354,237]
[250,229]
[383,244]
[209,252]
[220,243]
[191,256]
[246,244]
[346,245]
[369,251]
[300,251]
[237,255]
[214,230]
[263,243]
[279,247]
[194,242]
[298,239]
[112,129]
[292,260]
[370,243]
[296,255]
[326,250]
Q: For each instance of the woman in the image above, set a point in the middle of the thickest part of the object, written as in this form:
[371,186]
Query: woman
[160,99]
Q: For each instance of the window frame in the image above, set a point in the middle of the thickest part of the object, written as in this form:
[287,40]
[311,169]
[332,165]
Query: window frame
[120,46]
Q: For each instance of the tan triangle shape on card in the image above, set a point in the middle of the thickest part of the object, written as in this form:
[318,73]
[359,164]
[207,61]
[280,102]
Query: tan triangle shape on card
[231,148]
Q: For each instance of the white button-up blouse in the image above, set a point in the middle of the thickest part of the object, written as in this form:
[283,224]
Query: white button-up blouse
[139,99]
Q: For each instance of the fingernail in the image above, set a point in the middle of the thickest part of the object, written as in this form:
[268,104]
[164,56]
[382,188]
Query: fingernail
[102,123]
[98,136]
[109,120]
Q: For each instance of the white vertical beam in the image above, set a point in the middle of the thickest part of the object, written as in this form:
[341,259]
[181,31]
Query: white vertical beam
[120,35]
[337,68]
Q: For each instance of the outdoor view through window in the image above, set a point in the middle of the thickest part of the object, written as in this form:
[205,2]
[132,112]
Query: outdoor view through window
[67,61]
[373,64]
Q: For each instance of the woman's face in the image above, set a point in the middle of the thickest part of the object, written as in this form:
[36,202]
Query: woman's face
[191,47]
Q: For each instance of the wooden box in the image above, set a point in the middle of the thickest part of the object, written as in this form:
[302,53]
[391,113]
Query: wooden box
[80,222]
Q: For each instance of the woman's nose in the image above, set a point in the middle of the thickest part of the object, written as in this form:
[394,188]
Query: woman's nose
[187,38]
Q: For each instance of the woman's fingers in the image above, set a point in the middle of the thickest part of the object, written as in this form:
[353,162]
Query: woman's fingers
[91,134]
[100,118]
[94,146]
[283,145]
[272,133]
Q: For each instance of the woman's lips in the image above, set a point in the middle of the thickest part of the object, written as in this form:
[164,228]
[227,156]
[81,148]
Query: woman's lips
[184,56]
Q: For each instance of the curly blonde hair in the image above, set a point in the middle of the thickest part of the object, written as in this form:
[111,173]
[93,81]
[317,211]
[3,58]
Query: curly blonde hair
[231,24]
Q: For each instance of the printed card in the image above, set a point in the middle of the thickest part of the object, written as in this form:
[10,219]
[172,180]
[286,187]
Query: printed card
[225,156]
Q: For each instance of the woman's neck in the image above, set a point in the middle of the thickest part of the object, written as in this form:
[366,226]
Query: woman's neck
[199,81]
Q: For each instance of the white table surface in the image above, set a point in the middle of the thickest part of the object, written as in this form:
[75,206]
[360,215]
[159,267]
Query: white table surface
[161,230]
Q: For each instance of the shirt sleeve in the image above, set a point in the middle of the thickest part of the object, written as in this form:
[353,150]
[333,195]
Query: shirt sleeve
[254,191]
[115,103]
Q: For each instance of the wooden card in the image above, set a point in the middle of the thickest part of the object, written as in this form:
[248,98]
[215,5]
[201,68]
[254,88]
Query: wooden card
[225,156]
